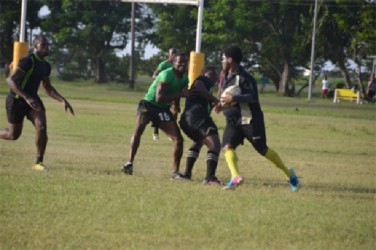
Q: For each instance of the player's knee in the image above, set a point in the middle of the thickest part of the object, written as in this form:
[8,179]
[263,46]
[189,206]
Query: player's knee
[226,147]
[262,150]
[14,135]
[178,140]
[41,129]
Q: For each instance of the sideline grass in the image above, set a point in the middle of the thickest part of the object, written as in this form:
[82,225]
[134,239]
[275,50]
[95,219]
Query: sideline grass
[84,202]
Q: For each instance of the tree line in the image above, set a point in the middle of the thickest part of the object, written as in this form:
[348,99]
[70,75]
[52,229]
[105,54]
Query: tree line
[276,36]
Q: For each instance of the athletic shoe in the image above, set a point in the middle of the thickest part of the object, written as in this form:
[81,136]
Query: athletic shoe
[155,137]
[179,176]
[294,181]
[127,168]
[238,180]
[214,181]
[39,167]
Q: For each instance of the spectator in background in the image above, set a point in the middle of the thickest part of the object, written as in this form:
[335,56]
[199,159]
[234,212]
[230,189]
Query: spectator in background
[264,80]
[325,86]
[162,66]
[371,88]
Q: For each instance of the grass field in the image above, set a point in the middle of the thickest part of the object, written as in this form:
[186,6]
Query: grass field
[85,202]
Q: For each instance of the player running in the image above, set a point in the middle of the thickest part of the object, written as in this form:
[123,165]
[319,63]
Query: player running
[245,120]
[23,99]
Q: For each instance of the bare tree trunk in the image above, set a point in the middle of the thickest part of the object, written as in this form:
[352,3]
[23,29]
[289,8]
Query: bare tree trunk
[100,74]
[359,78]
[283,85]
[345,73]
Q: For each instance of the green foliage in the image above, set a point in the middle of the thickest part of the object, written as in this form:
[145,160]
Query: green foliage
[175,27]
[10,13]
[88,33]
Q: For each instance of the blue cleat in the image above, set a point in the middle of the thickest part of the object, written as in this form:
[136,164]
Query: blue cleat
[238,180]
[294,180]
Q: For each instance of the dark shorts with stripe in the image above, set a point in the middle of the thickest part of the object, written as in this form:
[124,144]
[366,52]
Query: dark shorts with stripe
[197,128]
[154,113]
[17,108]
[254,133]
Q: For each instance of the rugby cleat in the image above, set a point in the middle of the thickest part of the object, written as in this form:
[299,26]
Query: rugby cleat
[237,181]
[39,167]
[127,168]
[294,180]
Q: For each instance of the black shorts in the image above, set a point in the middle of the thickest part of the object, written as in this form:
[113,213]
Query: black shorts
[17,108]
[198,128]
[154,113]
[254,133]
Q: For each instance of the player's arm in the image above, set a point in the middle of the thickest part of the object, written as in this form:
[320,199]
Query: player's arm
[248,94]
[14,82]
[162,96]
[199,87]
[155,74]
[52,92]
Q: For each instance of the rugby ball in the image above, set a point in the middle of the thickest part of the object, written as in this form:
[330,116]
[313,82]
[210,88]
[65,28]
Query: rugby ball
[233,90]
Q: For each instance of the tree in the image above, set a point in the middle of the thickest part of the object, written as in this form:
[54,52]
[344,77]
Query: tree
[174,27]
[347,30]
[274,35]
[87,32]
[10,15]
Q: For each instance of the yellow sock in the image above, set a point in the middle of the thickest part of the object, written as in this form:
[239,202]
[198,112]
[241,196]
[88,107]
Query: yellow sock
[232,162]
[272,156]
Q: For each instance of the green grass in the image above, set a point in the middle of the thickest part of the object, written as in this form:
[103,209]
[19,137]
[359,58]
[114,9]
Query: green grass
[85,202]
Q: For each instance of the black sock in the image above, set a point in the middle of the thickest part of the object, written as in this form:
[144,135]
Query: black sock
[191,159]
[211,164]
[156,131]
[39,159]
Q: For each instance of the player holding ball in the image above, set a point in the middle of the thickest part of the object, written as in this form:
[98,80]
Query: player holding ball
[244,119]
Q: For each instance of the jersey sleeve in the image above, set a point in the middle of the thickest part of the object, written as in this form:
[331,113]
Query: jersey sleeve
[25,64]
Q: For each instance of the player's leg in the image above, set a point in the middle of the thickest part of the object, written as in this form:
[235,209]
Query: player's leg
[258,141]
[156,133]
[172,130]
[12,132]
[38,118]
[141,122]
[211,140]
[232,137]
[16,111]
[214,146]
[193,153]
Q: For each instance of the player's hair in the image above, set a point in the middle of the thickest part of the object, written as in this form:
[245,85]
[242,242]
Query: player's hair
[180,54]
[234,52]
[39,39]
[172,51]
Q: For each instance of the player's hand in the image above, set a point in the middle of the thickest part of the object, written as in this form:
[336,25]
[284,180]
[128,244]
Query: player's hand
[217,108]
[67,106]
[33,104]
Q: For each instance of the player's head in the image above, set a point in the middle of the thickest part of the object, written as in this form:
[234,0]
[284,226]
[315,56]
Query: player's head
[171,54]
[231,56]
[41,46]
[180,62]
[211,73]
